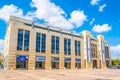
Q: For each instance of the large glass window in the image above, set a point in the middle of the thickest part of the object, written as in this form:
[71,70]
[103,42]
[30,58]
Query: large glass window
[94,50]
[67,46]
[106,52]
[40,42]
[23,40]
[26,40]
[43,43]
[55,44]
[20,39]
[77,48]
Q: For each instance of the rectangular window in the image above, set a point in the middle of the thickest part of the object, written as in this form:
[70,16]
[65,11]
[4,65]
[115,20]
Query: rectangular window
[106,52]
[23,40]
[20,39]
[43,43]
[40,42]
[55,44]
[94,50]
[38,37]
[26,40]
[67,46]
[77,48]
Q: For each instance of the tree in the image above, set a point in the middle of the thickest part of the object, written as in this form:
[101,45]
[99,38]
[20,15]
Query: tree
[0,62]
[116,62]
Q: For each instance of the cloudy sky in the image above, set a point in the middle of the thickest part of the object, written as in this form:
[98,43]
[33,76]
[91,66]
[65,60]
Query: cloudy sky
[97,16]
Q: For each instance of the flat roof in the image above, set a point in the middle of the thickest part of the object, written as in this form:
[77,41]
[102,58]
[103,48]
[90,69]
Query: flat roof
[38,25]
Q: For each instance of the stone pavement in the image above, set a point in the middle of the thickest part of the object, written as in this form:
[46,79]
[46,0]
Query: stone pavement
[93,74]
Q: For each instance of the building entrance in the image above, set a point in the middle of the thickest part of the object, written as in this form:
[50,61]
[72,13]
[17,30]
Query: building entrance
[40,62]
[40,65]
[22,61]
[55,63]
[78,63]
[94,64]
[107,63]
[67,63]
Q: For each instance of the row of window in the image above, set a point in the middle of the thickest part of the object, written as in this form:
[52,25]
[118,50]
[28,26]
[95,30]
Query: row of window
[23,43]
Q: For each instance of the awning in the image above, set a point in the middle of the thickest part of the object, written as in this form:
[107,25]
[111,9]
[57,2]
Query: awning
[78,60]
[67,59]
[22,57]
[55,59]
[40,58]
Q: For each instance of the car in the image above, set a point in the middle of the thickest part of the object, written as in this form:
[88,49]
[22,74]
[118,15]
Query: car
[118,67]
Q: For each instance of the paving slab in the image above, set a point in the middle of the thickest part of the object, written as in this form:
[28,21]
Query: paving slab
[82,74]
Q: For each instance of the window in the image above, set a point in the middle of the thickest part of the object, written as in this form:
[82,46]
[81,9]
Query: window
[20,39]
[38,37]
[67,46]
[106,52]
[40,42]
[43,43]
[94,50]
[23,40]
[55,44]
[26,40]
[77,48]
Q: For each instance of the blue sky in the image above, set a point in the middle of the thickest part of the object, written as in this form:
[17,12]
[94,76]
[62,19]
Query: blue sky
[97,16]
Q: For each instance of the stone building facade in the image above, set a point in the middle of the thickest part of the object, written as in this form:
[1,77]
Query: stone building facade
[30,45]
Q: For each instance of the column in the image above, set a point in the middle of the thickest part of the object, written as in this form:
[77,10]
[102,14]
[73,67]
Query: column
[72,53]
[61,48]
[48,51]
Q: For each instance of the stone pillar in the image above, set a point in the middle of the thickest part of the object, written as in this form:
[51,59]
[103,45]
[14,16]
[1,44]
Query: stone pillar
[32,49]
[83,61]
[72,54]
[48,51]
[12,45]
[61,48]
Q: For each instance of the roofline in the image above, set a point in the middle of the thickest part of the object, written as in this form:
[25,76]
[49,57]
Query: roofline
[43,25]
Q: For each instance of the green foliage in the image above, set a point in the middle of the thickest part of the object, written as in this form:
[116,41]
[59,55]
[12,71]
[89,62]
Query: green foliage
[116,62]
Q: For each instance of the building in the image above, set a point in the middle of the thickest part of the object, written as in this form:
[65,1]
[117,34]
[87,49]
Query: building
[30,45]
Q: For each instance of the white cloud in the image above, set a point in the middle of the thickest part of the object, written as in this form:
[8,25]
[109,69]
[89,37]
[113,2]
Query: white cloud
[56,16]
[115,51]
[92,21]
[47,11]
[1,45]
[102,7]
[101,28]
[115,48]
[94,2]
[8,10]
[77,18]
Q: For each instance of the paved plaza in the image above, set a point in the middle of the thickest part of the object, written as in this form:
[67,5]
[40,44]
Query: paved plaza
[97,74]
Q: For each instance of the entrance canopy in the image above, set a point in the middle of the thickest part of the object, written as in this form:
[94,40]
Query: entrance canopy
[22,57]
[40,58]
[55,59]
[77,60]
[67,59]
